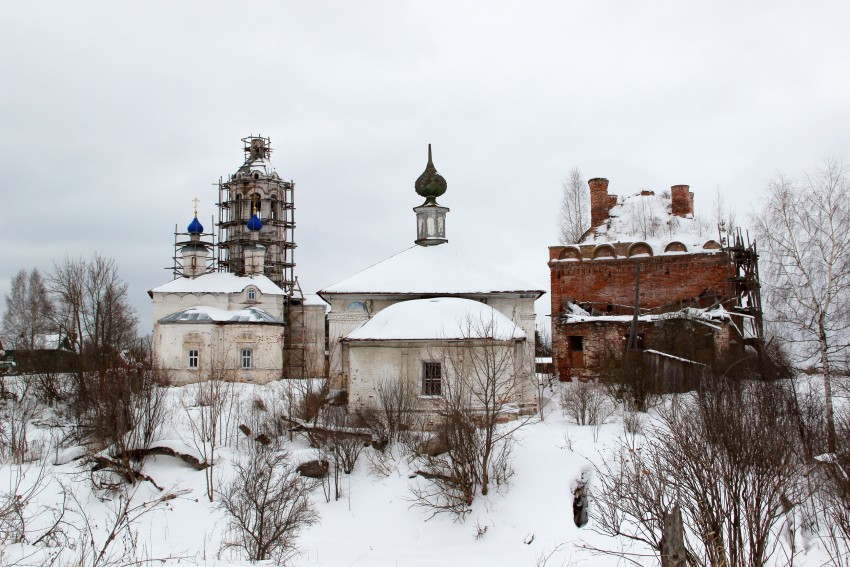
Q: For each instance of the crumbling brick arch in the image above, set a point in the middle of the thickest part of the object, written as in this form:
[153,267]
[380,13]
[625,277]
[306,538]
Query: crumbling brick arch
[711,245]
[639,248]
[604,251]
[570,253]
[676,246]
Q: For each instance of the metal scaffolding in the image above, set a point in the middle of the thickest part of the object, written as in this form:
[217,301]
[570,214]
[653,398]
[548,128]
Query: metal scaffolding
[744,288]
[182,239]
[256,188]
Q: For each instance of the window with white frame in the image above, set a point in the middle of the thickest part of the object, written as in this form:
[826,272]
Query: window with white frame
[252,294]
[247,358]
[193,358]
[432,379]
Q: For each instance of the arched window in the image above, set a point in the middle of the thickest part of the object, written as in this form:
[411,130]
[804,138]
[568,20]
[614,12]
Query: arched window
[570,253]
[252,294]
[274,212]
[604,251]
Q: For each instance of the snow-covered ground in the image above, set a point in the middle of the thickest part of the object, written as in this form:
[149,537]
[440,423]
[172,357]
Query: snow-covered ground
[528,522]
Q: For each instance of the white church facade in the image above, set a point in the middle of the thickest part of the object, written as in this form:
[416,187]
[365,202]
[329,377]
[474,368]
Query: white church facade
[240,316]
[411,316]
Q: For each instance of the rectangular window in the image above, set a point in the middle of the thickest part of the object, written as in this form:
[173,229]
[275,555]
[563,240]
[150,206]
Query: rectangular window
[432,379]
[247,358]
[193,358]
[576,344]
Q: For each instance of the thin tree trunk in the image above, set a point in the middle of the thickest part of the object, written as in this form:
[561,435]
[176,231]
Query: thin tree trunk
[827,384]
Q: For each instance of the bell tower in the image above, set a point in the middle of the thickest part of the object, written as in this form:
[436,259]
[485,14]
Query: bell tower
[256,189]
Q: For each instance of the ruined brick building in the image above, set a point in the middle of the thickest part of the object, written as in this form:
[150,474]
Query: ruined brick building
[648,270]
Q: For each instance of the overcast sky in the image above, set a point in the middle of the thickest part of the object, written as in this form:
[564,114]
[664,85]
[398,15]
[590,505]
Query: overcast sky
[115,115]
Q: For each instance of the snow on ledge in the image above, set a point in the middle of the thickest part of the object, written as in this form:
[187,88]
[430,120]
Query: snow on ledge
[220,282]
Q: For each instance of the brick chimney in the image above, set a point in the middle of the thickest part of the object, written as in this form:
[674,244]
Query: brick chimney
[599,201]
[682,200]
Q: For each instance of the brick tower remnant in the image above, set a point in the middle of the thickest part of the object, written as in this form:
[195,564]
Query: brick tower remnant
[600,201]
[257,189]
[682,200]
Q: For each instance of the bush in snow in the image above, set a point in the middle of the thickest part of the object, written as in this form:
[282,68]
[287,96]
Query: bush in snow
[728,458]
[587,403]
[267,504]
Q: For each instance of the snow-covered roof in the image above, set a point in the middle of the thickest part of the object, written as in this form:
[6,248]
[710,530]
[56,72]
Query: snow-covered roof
[204,314]
[437,318]
[578,315]
[314,299]
[442,269]
[648,218]
[219,282]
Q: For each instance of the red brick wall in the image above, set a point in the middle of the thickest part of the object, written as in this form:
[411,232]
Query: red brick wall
[679,337]
[673,281]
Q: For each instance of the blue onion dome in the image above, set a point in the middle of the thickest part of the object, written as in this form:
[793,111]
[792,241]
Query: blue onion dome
[195,227]
[254,223]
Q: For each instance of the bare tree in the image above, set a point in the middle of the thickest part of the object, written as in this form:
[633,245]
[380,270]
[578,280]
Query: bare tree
[486,373]
[20,409]
[267,504]
[206,413]
[827,509]
[724,215]
[720,459]
[339,441]
[574,215]
[454,475]
[643,219]
[211,415]
[804,232]
[124,413]
[29,311]
[394,414]
[113,540]
[67,283]
[93,309]
[23,517]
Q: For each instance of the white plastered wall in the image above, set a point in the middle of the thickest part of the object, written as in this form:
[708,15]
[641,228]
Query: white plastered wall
[219,347]
[371,362]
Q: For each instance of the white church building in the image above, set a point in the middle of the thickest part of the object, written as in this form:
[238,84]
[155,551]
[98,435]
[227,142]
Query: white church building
[240,316]
[409,316]
[218,324]
[419,316]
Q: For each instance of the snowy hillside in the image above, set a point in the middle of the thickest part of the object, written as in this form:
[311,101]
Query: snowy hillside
[647,217]
[528,522]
